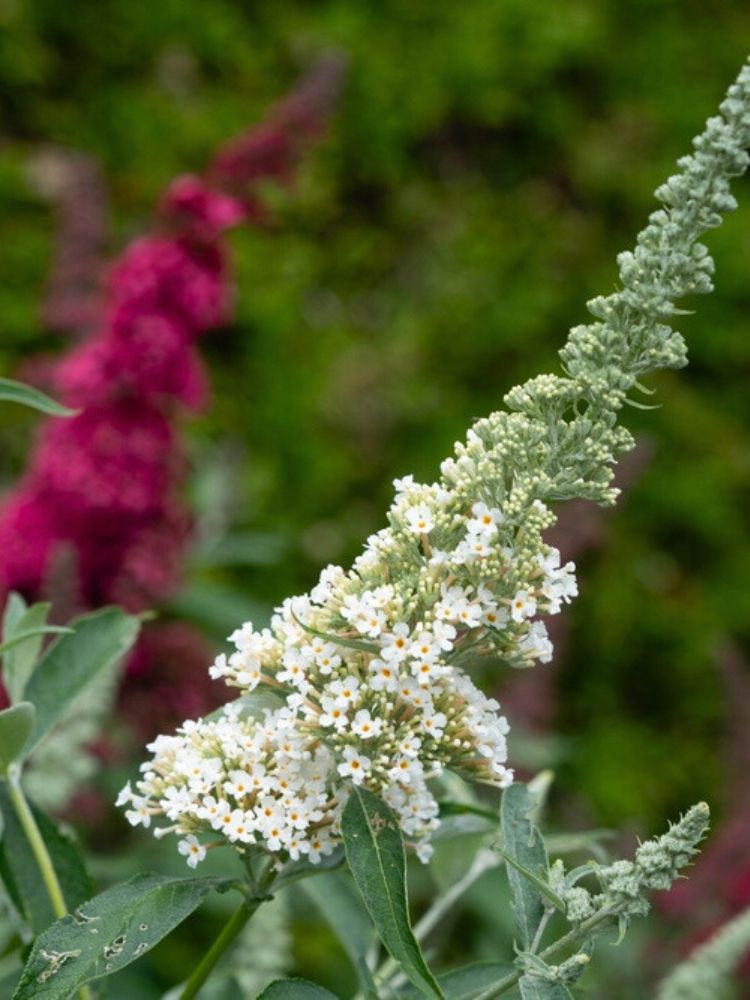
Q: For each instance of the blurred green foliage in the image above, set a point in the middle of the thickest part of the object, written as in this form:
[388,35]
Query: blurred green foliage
[488,161]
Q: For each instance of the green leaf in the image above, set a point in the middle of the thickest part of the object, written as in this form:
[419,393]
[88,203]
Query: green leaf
[375,852]
[463,983]
[523,842]
[16,726]
[295,989]
[97,642]
[20,872]
[359,644]
[16,392]
[540,884]
[32,633]
[23,631]
[535,987]
[15,608]
[108,932]
[339,903]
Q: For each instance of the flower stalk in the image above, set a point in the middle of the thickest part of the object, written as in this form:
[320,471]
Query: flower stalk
[39,850]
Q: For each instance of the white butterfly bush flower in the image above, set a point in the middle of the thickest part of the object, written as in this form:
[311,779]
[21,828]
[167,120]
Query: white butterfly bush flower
[369,670]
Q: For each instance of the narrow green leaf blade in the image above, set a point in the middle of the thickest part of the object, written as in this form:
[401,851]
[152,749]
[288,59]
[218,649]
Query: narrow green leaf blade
[15,608]
[20,872]
[16,392]
[97,642]
[539,884]
[295,989]
[523,842]
[108,932]
[22,642]
[375,852]
[16,726]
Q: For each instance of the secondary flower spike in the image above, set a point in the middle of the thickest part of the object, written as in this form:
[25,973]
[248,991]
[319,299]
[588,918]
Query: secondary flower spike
[366,674]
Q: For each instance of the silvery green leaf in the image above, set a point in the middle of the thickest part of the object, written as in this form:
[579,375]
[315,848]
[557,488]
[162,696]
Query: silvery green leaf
[535,987]
[375,852]
[523,843]
[16,727]
[539,883]
[98,640]
[24,629]
[108,932]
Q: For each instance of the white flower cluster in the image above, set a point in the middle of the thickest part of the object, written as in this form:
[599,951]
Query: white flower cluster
[366,672]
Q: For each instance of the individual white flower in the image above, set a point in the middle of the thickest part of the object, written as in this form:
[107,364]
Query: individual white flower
[428,670]
[344,691]
[365,726]
[473,547]
[383,676]
[125,795]
[139,814]
[324,655]
[444,634]
[193,851]
[354,766]
[333,714]
[219,668]
[522,606]
[404,484]
[394,645]
[424,646]
[424,851]
[484,520]
[419,519]
[434,723]
[536,644]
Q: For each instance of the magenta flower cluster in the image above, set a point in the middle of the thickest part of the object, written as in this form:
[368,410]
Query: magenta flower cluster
[103,494]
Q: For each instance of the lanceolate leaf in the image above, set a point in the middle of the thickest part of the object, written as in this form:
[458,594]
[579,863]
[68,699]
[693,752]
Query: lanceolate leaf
[20,872]
[523,842]
[375,852]
[295,989]
[19,658]
[108,932]
[98,641]
[16,725]
[539,884]
[16,392]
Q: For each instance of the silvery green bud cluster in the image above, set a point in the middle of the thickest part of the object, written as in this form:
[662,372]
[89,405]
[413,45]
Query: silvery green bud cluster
[369,669]
[657,863]
[624,884]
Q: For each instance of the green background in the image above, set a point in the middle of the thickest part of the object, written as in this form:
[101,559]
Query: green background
[488,160]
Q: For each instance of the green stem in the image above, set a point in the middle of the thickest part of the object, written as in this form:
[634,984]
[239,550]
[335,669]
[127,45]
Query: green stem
[40,852]
[570,939]
[228,934]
